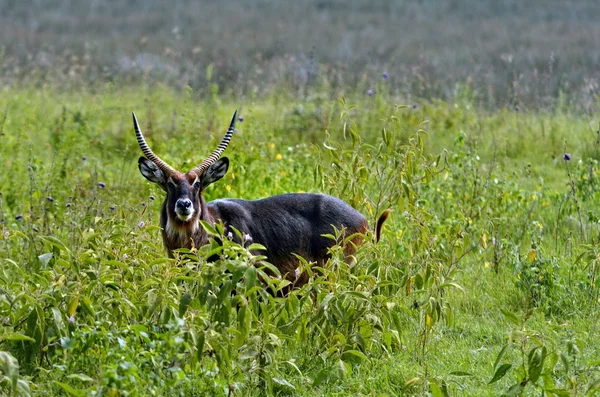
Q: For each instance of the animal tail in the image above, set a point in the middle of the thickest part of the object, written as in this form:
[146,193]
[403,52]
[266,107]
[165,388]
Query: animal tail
[380,221]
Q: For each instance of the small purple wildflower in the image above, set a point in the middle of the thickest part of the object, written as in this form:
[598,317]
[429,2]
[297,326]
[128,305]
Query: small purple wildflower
[84,158]
[125,256]
[247,237]
[415,106]
[35,229]
[516,108]
[297,273]
[101,185]
[143,203]
[385,76]
[113,207]
[152,198]
[142,224]
[241,119]
[72,319]
[567,157]
[6,234]
[370,92]
[230,235]
[50,199]
[19,217]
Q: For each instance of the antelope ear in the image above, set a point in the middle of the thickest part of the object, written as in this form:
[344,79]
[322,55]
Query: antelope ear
[215,172]
[151,172]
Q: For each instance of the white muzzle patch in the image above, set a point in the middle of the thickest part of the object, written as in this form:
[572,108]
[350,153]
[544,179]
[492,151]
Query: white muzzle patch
[185,216]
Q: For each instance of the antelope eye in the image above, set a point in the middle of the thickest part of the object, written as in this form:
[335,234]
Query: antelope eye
[171,182]
[197,185]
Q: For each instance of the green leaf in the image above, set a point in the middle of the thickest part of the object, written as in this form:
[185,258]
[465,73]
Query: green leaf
[45,258]
[72,306]
[72,391]
[461,373]
[500,372]
[562,392]
[536,363]
[256,247]
[80,377]
[408,384]
[458,287]
[283,382]
[435,390]
[209,228]
[16,336]
[565,361]
[514,391]
[86,303]
[510,316]
[184,303]
[357,354]
[499,356]
[200,345]
[250,277]
[58,320]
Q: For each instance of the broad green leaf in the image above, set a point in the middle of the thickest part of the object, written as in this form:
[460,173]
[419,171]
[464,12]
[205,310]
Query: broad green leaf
[16,336]
[435,390]
[357,354]
[72,306]
[510,316]
[500,372]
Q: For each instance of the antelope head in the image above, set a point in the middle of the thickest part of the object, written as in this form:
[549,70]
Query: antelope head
[184,204]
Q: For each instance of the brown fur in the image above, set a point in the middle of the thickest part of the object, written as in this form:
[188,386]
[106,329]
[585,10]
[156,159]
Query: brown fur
[380,221]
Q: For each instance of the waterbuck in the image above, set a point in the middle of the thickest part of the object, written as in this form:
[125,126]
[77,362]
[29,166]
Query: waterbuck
[285,224]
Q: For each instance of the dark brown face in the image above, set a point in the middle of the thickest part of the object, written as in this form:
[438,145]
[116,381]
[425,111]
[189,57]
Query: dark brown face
[184,191]
[183,197]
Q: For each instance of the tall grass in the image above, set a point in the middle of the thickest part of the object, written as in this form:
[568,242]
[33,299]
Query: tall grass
[485,281]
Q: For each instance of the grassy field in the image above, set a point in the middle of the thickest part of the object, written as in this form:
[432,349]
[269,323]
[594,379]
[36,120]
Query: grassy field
[485,281]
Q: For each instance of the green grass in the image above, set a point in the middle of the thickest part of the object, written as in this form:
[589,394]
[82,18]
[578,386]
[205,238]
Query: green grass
[492,243]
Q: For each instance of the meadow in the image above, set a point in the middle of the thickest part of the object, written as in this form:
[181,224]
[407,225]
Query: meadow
[475,122]
[485,281]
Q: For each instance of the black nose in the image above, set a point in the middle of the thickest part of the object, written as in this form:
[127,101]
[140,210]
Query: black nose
[183,204]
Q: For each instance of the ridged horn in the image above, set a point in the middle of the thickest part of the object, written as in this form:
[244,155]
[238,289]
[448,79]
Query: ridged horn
[164,167]
[210,160]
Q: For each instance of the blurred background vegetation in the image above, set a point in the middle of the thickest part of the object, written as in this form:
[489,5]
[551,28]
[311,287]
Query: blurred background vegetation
[523,53]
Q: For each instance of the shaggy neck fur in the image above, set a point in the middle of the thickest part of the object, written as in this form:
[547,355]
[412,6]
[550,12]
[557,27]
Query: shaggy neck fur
[178,234]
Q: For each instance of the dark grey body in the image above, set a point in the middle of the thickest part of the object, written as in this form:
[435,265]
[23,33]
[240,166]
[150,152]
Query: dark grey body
[287,224]
[290,223]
